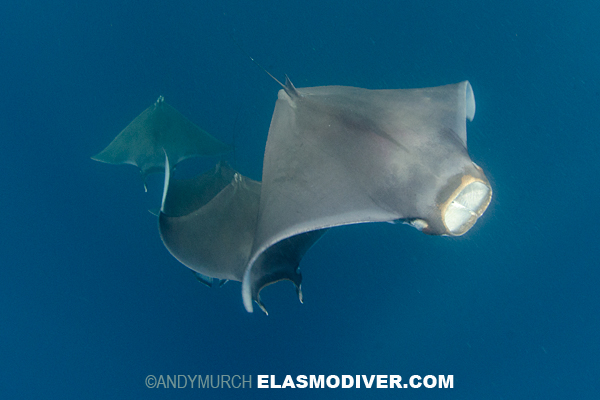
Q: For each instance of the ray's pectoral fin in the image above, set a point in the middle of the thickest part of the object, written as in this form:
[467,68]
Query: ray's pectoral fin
[208,222]
[157,129]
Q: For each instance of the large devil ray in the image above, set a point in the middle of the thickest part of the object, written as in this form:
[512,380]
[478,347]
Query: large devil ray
[341,155]
[159,129]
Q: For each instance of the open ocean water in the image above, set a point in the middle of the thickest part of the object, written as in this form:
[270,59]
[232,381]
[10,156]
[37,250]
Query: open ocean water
[91,303]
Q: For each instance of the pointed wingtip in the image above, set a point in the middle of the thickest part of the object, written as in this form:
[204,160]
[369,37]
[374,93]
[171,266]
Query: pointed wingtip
[470,101]
[299,292]
[98,157]
[247,296]
[246,292]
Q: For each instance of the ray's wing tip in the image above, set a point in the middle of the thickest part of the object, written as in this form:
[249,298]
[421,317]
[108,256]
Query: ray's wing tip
[469,101]
[98,157]
[108,158]
[248,299]
[299,292]
[246,294]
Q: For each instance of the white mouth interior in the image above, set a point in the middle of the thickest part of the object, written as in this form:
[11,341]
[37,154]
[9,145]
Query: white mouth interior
[466,207]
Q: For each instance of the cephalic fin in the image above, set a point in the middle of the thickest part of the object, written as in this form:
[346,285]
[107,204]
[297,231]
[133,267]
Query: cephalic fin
[203,279]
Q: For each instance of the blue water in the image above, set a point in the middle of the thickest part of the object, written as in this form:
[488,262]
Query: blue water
[91,302]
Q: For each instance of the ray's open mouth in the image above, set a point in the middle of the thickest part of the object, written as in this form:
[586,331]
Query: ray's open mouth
[468,202]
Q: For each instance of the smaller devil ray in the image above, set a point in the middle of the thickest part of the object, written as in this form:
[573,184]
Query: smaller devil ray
[208,224]
[159,129]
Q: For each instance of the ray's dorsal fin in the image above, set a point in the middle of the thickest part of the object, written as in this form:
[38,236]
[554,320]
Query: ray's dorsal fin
[290,89]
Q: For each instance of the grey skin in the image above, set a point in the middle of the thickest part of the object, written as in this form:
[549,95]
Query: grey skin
[341,155]
[208,222]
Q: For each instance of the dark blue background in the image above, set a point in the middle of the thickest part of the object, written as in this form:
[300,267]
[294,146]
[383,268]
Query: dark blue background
[91,302]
